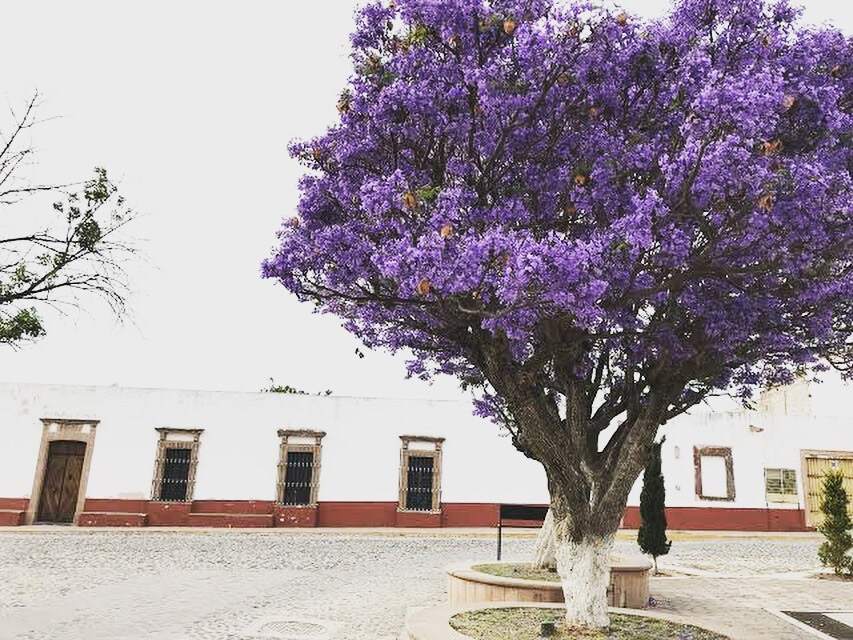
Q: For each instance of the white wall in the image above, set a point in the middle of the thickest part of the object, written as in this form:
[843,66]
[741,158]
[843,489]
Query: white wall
[758,440]
[239,447]
[360,458]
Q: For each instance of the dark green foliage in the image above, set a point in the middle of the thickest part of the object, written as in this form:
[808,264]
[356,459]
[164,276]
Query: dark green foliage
[286,388]
[47,260]
[24,324]
[836,524]
[652,534]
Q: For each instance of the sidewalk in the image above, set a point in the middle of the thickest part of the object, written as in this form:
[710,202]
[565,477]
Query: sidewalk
[743,607]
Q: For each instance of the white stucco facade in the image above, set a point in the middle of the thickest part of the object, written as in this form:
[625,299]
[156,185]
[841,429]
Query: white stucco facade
[757,440]
[239,452]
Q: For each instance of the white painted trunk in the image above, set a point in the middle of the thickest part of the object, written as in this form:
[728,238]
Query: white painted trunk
[584,569]
[544,551]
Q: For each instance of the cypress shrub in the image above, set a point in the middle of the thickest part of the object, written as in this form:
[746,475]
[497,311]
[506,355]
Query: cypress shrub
[836,524]
[652,534]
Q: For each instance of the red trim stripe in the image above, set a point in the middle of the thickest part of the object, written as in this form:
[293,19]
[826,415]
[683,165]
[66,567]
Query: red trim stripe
[265,513]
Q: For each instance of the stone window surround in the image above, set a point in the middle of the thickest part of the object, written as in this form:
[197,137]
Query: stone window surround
[405,453]
[167,442]
[299,440]
[76,430]
[717,452]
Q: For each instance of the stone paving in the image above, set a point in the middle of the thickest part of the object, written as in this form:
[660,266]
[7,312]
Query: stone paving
[227,585]
[738,606]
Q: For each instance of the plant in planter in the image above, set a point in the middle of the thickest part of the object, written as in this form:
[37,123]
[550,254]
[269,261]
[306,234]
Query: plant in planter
[592,220]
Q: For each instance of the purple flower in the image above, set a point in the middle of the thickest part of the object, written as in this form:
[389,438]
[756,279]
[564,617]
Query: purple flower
[672,192]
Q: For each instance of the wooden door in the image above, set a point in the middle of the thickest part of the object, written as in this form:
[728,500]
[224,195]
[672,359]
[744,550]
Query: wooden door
[816,467]
[61,485]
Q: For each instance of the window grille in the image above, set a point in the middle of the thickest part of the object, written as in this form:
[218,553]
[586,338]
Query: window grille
[175,466]
[176,475]
[299,475]
[780,485]
[420,474]
[299,467]
[419,487]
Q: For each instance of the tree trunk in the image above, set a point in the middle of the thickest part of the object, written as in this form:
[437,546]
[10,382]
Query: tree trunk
[544,551]
[588,480]
[584,568]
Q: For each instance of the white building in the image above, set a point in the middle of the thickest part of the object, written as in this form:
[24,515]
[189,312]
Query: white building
[117,456]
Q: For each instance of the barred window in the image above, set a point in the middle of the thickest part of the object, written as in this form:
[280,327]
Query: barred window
[419,487]
[299,475]
[299,467]
[175,465]
[780,485]
[420,474]
[176,475]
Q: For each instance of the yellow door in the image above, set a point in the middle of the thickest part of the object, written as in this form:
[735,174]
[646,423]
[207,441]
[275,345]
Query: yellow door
[816,465]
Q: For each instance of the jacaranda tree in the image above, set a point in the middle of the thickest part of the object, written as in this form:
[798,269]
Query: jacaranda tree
[593,220]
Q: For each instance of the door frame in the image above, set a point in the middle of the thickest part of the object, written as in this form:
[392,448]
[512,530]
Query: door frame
[804,473]
[62,429]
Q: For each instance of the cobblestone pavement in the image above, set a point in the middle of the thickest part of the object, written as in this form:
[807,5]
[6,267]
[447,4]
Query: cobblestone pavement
[118,585]
[746,556]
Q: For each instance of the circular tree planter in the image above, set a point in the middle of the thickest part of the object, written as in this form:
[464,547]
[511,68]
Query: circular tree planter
[629,585]
[490,622]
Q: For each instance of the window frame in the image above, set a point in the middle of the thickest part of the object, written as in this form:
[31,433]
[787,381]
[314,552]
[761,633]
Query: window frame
[714,452]
[172,438]
[791,496]
[293,440]
[405,454]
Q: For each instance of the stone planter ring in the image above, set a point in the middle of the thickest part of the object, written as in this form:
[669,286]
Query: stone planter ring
[629,585]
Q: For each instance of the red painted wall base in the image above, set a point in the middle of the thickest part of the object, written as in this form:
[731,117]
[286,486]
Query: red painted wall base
[725,519]
[294,516]
[12,511]
[10,518]
[99,512]
[112,520]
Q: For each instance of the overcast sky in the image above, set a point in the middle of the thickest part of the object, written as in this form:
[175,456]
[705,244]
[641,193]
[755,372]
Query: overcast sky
[190,105]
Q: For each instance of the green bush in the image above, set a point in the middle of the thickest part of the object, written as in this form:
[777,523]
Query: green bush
[836,524]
